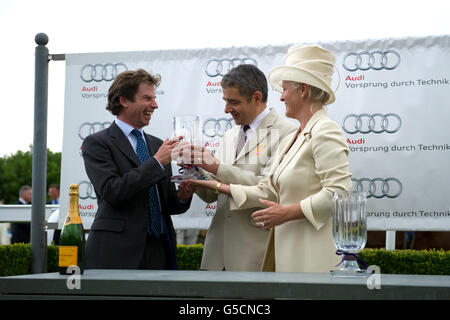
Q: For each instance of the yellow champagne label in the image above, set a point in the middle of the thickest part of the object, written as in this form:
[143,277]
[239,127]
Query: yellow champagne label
[68,256]
[72,220]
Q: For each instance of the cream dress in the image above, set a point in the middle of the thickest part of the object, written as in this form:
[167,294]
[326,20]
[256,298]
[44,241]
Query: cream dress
[307,170]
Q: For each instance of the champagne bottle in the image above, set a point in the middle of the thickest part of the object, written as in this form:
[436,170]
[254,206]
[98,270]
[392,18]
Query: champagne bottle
[72,240]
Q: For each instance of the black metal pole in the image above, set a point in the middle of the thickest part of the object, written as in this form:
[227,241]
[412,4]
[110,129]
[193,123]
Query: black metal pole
[39,173]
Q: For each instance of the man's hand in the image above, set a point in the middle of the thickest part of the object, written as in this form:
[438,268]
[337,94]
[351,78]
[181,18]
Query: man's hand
[191,155]
[209,162]
[185,191]
[164,153]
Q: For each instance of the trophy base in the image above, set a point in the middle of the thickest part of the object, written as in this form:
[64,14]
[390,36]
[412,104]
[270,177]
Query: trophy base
[180,177]
[349,273]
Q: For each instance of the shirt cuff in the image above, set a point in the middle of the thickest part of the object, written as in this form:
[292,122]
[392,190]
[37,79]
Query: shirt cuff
[162,167]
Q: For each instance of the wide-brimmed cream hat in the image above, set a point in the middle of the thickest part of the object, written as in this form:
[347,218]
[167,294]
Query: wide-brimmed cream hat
[309,64]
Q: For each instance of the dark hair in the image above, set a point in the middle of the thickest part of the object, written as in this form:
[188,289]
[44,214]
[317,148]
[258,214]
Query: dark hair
[126,85]
[54,185]
[248,79]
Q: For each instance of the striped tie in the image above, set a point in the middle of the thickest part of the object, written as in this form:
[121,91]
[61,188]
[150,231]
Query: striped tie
[241,139]
[155,212]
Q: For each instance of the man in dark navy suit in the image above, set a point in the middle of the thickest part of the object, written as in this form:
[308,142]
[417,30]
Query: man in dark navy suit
[20,232]
[130,171]
[53,194]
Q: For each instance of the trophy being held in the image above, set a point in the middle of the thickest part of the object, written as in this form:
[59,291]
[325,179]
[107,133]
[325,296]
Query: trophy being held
[187,126]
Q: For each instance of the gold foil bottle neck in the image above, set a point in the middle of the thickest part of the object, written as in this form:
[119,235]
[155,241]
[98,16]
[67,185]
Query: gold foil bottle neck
[73,189]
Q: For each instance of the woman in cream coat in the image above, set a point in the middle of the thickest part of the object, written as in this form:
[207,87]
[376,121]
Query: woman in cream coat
[312,162]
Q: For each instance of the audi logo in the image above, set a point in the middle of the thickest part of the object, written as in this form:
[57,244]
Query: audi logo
[376,123]
[86,190]
[220,67]
[88,128]
[375,60]
[378,187]
[101,72]
[216,127]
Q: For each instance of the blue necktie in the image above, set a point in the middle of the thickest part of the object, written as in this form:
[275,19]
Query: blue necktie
[155,211]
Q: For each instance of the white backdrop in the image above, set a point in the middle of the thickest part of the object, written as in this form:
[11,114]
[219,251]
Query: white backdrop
[392,103]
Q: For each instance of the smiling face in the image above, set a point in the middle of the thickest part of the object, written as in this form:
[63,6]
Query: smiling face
[138,113]
[292,98]
[242,111]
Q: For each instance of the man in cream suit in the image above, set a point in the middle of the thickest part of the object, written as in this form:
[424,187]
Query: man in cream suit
[234,242]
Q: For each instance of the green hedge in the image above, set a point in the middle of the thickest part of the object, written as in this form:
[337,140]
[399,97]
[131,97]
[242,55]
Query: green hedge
[408,261]
[189,256]
[16,260]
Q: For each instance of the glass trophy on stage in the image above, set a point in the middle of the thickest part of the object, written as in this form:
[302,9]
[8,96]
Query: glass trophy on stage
[188,126]
[349,231]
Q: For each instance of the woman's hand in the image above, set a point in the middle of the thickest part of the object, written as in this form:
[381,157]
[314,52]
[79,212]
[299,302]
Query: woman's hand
[275,214]
[217,186]
[204,184]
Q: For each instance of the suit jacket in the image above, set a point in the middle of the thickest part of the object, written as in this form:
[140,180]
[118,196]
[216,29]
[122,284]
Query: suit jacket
[119,231]
[307,170]
[233,240]
[20,232]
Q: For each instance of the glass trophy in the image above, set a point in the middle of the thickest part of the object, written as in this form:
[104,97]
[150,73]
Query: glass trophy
[189,127]
[349,231]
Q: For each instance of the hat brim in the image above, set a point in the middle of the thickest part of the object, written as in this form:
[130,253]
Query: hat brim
[290,73]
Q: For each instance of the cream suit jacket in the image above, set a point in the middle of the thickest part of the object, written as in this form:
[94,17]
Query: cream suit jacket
[233,241]
[307,169]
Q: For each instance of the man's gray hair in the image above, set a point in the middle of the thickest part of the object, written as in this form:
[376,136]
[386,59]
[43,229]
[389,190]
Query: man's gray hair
[23,189]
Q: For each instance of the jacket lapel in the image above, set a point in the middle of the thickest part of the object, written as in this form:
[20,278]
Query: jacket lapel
[122,143]
[152,147]
[231,144]
[258,136]
[295,145]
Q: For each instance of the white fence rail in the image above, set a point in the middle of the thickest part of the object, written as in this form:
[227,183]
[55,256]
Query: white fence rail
[22,213]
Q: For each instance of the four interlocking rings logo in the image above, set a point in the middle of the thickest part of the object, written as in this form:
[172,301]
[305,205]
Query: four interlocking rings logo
[378,187]
[220,67]
[375,60]
[101,72]
[86,190]
[376,123]
[216,127]
[88,128]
